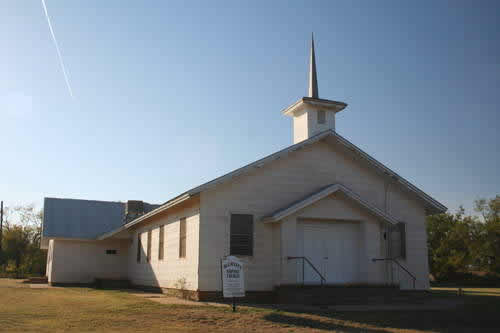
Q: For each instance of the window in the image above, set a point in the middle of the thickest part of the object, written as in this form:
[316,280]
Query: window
[110,251]
[160,242]
[139,247]
[241,238]
[182,238]
[148,254]
[402,232]
[321,116]
[397,240]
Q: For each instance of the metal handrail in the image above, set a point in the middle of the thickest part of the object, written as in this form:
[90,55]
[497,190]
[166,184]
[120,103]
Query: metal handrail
[310,264]
[401,266]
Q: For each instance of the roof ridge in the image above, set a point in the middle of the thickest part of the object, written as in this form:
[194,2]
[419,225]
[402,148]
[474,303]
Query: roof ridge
[89,200]
[277,155]
[100,201]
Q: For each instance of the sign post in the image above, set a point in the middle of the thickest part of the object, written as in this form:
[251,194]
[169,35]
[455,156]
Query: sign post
[233,280]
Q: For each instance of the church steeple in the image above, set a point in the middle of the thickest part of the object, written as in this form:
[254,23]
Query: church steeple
[313,76]
[312,115]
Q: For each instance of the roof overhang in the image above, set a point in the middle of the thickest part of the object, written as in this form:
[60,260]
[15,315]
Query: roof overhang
[317,103]
[222,179]
[432,205]
[321,194]
[44,242]
[162,208]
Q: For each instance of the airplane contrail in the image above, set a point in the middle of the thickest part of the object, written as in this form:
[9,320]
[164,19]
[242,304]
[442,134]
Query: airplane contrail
[57,48]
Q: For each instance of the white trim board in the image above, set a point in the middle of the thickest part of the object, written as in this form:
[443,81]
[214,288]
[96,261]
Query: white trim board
[321,194]
[434,205]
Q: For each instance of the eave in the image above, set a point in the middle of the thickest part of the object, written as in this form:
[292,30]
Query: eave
[162,208]
[432,205]
[319,103]
[310,199]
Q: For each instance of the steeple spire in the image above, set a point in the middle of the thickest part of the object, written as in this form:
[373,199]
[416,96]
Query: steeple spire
[313,80]
[312,115]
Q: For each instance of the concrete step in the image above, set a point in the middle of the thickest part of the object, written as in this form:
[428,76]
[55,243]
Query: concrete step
[37,280]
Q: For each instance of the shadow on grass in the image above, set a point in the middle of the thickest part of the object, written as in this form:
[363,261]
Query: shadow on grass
[477,313]
[287,319]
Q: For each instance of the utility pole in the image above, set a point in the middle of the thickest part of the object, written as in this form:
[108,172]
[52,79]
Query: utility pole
[1,227]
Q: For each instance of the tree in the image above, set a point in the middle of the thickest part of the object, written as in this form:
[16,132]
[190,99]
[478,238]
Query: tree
[448,242]
[15,245]
[21,241]
[490,248]
[458,243]
[3,258]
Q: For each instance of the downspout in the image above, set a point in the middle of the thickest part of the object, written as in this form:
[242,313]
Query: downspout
[388,267]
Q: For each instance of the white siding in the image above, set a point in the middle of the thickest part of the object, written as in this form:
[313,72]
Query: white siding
[276,253]
[167,273]
[286,180]
[305,123]
[300,127]
[410,212]
[84,261]
[50,256]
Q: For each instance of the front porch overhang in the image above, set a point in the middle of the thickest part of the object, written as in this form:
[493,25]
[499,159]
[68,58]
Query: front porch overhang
[324,192]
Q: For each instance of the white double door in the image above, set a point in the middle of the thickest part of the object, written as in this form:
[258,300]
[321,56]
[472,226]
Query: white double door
[333,249]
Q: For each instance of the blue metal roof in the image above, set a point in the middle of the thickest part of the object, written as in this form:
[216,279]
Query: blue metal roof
[84,219]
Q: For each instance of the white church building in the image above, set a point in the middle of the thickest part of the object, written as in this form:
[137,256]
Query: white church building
[320,211]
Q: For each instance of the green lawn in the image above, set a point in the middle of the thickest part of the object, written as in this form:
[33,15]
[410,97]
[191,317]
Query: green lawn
[84,309]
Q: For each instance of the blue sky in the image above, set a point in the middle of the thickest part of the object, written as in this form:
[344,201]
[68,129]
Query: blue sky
[168,95]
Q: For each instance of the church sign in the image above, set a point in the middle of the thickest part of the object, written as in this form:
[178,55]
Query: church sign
[233,280]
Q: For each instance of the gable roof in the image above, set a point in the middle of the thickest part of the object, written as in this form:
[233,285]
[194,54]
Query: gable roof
[431,202]
[432,205]
[321,194]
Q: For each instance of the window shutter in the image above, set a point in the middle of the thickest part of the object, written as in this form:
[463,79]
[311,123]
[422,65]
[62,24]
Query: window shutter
[321,116]
[241,238]
[139,247]
[182,238]
[148,256]
[402,232]
[398,241]
[161,242]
